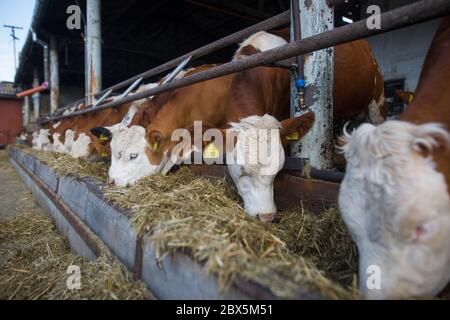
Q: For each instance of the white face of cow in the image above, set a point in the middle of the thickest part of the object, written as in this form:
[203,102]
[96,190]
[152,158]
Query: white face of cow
[43,141]
[68,141]
[81,146]
[57,145]
[129,161]
[397,208]
[253,172]
[34,140]
[258,156]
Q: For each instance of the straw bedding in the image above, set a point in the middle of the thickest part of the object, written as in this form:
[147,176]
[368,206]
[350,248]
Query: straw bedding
[35,259]
[205,219]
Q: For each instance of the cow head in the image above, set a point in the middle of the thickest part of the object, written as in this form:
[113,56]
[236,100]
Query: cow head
[42,140]
[69,137]
[58,146]
[129,161]
[397,208]
[34,140]
[255,154]
[82,146]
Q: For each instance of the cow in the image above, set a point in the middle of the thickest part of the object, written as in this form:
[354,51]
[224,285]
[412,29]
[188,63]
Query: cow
[395,194]
[73,136]
[138,152]
[233,98]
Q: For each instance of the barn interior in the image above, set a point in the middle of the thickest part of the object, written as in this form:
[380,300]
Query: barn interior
[140,35]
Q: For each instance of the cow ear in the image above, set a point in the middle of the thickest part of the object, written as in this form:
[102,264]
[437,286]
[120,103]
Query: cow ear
[294,129]
[102,133]
[154,138]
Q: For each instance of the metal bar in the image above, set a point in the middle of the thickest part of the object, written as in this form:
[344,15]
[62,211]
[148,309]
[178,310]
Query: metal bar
[174,73]
[36,97]
[398,18]
[316,147]
[26,110]
[93,50]
[232,39]
[54,75]
[297,34]
[99,101]
[130,88]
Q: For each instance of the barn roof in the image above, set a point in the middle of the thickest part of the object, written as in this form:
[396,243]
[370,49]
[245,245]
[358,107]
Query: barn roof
[138,35]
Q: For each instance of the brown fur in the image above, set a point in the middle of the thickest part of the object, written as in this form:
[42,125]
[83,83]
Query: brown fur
[432,97]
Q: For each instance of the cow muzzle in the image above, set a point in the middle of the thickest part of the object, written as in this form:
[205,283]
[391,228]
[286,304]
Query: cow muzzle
[266,217]
[110,181]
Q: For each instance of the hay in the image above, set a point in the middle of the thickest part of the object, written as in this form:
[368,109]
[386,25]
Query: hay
[34,262]
[64,164]
[203,218]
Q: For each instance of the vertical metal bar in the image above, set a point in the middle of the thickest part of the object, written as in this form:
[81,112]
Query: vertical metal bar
[297,34]
[36,96]
[26,110]
[317,146]
[54,75]
[93,49]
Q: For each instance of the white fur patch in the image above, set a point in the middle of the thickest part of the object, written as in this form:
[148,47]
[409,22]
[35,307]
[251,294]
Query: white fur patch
[80,147]
[375,116]
[56,125]
[262,41]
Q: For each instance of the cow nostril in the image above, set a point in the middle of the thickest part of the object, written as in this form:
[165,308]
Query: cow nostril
[266,217]
[110,181]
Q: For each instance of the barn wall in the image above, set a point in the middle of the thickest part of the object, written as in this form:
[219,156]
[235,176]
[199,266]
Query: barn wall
[401,53]
[10,119]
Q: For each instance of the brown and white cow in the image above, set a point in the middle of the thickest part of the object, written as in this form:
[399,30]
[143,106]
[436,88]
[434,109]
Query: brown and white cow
[259,92]
[395,195]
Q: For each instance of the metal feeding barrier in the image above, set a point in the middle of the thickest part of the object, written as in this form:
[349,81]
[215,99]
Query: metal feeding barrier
[408,15]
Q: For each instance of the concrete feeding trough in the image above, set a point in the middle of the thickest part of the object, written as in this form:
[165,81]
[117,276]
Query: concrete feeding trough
[83,215]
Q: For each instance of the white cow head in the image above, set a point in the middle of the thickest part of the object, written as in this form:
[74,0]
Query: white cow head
[397,208]
[57,145]
[82,146]
[129,161]
[42,141]
[68,141]
[258,156]
[34,140]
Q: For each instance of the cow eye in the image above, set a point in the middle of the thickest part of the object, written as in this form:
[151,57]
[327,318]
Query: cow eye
[133,156]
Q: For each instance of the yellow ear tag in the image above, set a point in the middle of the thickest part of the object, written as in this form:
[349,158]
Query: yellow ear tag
[104,138]
[211,152]
[105,154]
[411,97]
[155,146]
[293,136]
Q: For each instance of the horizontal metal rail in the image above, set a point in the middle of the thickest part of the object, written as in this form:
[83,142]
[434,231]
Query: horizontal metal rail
[398,18]
[271,23]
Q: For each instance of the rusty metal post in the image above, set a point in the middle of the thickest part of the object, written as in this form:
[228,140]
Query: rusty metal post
[93,49]
[316,147]
[36,96]
[26,110]
[54,75]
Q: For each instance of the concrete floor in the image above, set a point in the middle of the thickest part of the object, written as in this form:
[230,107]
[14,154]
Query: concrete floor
[15,199]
